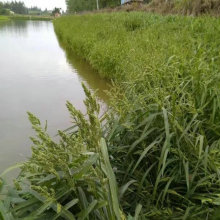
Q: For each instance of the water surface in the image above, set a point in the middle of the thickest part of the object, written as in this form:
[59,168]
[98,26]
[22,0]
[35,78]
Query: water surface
[37,76]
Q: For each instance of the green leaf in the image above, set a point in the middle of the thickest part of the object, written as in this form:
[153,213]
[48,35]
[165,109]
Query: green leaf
[124,188]
[85,213]
[137,211]
[111,177]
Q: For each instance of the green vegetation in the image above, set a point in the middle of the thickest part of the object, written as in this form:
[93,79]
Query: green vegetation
[155,155]
[69,179]
[56,11]
[88,5]
[3,18]
[31,17]
[26,17]
[14,6]
[194,7]
[3,11]
[38,11]
[19,8]
[186,7]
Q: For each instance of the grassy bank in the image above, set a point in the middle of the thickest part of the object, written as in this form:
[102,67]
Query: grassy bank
[31,17]
[139,42]
[155,155]
[3,18]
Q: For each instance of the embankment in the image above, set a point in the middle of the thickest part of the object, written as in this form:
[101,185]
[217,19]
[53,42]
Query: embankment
[167,68]
[31,17]
[3,18]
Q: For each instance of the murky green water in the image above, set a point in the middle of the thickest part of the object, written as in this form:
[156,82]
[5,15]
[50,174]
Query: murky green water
[37,76]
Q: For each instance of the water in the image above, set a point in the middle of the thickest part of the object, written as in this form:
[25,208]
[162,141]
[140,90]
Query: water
[36,75]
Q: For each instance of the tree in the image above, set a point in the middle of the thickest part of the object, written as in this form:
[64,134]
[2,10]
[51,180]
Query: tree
[3,11]
[109,3]
[89,5]
[56,11]
[16,7]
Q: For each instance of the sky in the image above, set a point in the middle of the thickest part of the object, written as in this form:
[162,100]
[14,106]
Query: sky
[49,4]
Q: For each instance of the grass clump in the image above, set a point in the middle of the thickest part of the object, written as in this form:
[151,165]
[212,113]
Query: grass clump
[72,179]
[162,134]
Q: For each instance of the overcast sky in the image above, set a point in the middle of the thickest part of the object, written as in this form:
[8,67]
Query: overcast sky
[49,4]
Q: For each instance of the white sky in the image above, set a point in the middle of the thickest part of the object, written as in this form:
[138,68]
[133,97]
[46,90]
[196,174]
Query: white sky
[49,4]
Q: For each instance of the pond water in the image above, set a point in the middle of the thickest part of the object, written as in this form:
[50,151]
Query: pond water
[37,75]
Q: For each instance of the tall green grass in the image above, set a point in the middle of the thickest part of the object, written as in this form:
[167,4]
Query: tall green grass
[72,179]
[165,137]
[155,153]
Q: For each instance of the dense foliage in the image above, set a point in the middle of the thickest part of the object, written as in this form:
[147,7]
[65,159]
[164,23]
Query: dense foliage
[166,135]
[19,8]
[56,11]
[67,179]
[187,7]
[155,155]
[194,7]
[3,11]
[88,5]
[38,11]
[16,7]
[3,18]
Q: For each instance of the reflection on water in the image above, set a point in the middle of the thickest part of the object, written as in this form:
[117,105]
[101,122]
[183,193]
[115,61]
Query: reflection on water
[19,27]
[15,27]
[37,76]
[89,76]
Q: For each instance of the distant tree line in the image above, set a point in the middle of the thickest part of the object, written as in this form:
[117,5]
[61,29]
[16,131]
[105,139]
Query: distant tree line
[56,11]
[16,7]
[3,11]
[37,11]
[20,8]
